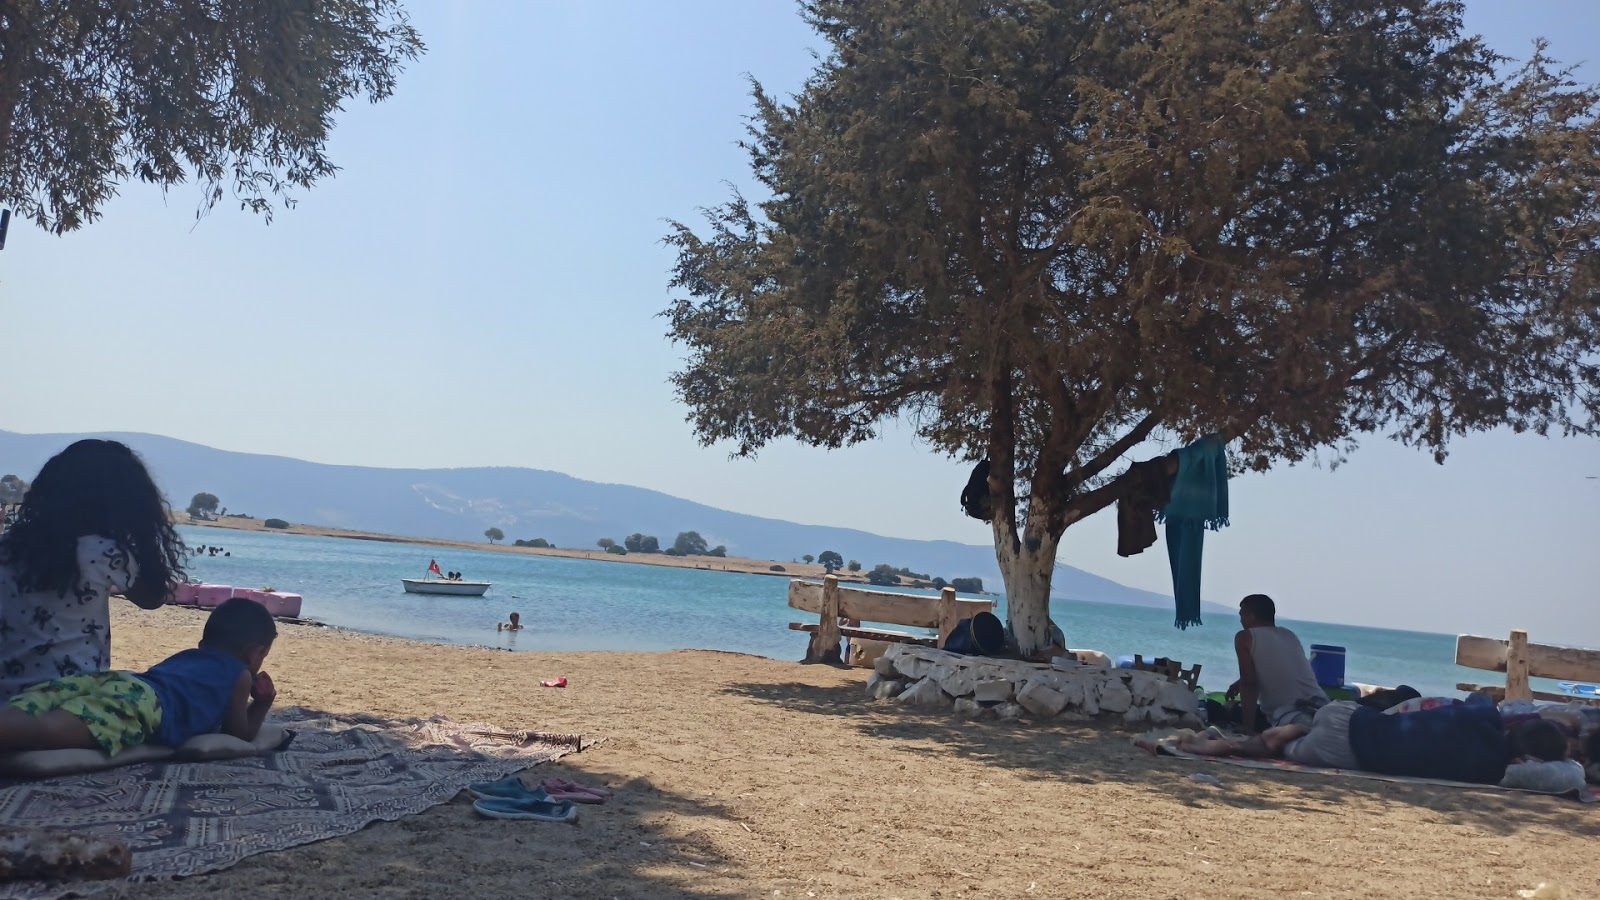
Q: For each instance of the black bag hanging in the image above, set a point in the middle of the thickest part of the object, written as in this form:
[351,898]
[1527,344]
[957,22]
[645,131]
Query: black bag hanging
[975,496]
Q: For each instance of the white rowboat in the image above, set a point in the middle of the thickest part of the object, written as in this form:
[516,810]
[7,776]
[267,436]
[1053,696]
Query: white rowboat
[445,586]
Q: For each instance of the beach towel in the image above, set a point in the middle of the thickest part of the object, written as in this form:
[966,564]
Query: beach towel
[339,774]
[1199,503]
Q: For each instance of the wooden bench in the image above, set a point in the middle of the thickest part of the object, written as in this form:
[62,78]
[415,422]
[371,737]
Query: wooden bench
[1520,661]
[1171,668]
[832,602]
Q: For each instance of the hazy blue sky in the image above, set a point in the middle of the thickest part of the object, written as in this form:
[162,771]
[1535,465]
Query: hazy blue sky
[479,286]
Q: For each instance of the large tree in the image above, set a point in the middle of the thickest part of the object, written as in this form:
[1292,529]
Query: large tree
[1054,233]
[239,96]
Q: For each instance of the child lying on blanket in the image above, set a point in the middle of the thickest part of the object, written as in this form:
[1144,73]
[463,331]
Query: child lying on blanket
[218,686]
[1461,742]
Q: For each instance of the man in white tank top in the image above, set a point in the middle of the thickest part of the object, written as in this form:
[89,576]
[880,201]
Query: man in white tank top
[1273,669]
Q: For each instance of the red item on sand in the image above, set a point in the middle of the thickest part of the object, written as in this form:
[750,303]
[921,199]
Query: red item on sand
[555,682]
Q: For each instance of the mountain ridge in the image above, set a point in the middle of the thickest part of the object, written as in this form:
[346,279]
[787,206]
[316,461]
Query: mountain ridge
[459,503]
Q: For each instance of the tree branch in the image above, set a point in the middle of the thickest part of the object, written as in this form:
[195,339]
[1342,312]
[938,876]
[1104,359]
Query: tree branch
[1111,454]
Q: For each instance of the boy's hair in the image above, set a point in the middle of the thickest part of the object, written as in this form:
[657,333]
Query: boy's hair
[1260,606]
[93,487]
[239,626]
[1541,739]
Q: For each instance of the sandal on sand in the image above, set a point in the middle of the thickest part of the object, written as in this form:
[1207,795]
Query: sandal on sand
[512,787]
[533,810]
[562,784]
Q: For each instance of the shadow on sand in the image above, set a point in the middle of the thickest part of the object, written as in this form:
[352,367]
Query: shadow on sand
[1095,753]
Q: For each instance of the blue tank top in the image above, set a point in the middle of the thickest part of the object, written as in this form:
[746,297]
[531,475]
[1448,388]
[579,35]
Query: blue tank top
[194,689]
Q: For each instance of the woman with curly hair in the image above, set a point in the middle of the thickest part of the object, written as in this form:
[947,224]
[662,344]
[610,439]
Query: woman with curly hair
[93,524]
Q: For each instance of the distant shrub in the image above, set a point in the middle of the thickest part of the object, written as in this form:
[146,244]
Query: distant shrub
[673,551]
[617,550]
[536,543]
[967,585]
[883,574]
[777,569]
[718,550]
[275,523]
[854,566]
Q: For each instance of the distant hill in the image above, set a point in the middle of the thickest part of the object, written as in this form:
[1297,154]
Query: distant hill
[525,503]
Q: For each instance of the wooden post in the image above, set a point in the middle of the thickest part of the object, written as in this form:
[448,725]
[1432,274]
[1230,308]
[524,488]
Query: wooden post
[825,641]
[948,617]
[1517,667]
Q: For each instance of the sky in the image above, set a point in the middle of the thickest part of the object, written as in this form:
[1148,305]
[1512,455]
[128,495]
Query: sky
[481,285]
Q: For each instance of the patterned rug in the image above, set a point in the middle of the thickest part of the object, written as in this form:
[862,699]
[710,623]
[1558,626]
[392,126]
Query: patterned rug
[339,774]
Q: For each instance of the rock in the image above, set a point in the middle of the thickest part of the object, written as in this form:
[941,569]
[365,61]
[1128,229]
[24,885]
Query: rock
[1136,715]
[1040,699]
[1115,696]
[884,665]
[912,667]
[925,693]
[956,682]
[1008,712]
[972,709]
[1145,686]
[888,689]
[1176,697]
[998,690]
[1075,690]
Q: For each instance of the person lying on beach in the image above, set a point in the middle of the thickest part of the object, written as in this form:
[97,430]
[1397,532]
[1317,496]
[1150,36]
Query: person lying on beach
[1460,742]
[218,686]
[93,525]
[1273,670]
[514,625]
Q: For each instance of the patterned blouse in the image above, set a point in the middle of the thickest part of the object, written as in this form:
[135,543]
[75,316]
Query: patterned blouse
[45,636]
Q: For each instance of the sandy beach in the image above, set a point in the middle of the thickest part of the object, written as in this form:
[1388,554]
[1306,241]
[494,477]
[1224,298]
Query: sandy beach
[737,564]
[739,776]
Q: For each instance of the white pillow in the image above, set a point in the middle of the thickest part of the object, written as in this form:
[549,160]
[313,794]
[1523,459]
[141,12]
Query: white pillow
[48,763]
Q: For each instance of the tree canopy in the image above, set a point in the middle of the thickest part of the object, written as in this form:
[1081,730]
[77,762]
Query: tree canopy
[203,503]
[494,534]
[830,560]
[238,96]
[1052,234]
[690,543]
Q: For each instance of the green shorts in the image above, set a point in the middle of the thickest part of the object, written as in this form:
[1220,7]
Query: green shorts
[120,710]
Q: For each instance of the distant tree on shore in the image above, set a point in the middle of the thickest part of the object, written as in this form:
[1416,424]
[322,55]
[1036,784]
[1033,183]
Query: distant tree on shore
[641,543]
[940,583]
[854,565]
[536,543]
[236,98]
[809,559]
[830,560]
[12,490]
[1313,225]
[203,503]
[883,573]
[494,534]
[718,550]
[690,543]
[605,543]
[617,550]
[275,523]
[967,585]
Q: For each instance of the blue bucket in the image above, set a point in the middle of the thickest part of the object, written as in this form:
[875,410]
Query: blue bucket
[1327,663]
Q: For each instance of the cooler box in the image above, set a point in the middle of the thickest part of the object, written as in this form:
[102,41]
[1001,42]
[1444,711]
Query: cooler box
[1327,663]
[211,596]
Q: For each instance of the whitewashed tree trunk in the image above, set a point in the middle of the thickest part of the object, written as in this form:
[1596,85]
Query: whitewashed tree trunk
[1027,565]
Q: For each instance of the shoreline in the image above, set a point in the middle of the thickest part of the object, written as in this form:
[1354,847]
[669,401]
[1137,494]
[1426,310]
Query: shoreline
[733,564]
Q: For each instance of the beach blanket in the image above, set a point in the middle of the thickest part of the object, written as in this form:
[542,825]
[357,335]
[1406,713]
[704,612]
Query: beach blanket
[1169,747]
[338,774]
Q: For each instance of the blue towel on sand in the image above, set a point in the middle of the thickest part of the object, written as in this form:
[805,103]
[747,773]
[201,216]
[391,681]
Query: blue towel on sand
[1199,502]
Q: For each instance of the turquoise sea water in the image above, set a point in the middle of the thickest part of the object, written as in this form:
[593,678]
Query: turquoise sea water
[570,604]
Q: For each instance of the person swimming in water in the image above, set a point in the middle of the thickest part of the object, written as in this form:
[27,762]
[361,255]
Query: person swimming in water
[514,625]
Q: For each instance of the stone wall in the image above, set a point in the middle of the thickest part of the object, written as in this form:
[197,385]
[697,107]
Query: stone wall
[1010,689]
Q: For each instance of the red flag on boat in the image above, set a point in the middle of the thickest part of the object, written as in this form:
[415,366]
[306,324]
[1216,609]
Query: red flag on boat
[433,566]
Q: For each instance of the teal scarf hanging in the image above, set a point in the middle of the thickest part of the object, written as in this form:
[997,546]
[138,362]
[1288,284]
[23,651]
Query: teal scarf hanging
[1199,503]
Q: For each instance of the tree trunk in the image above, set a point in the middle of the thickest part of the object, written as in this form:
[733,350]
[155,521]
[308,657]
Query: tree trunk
[1027,565]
